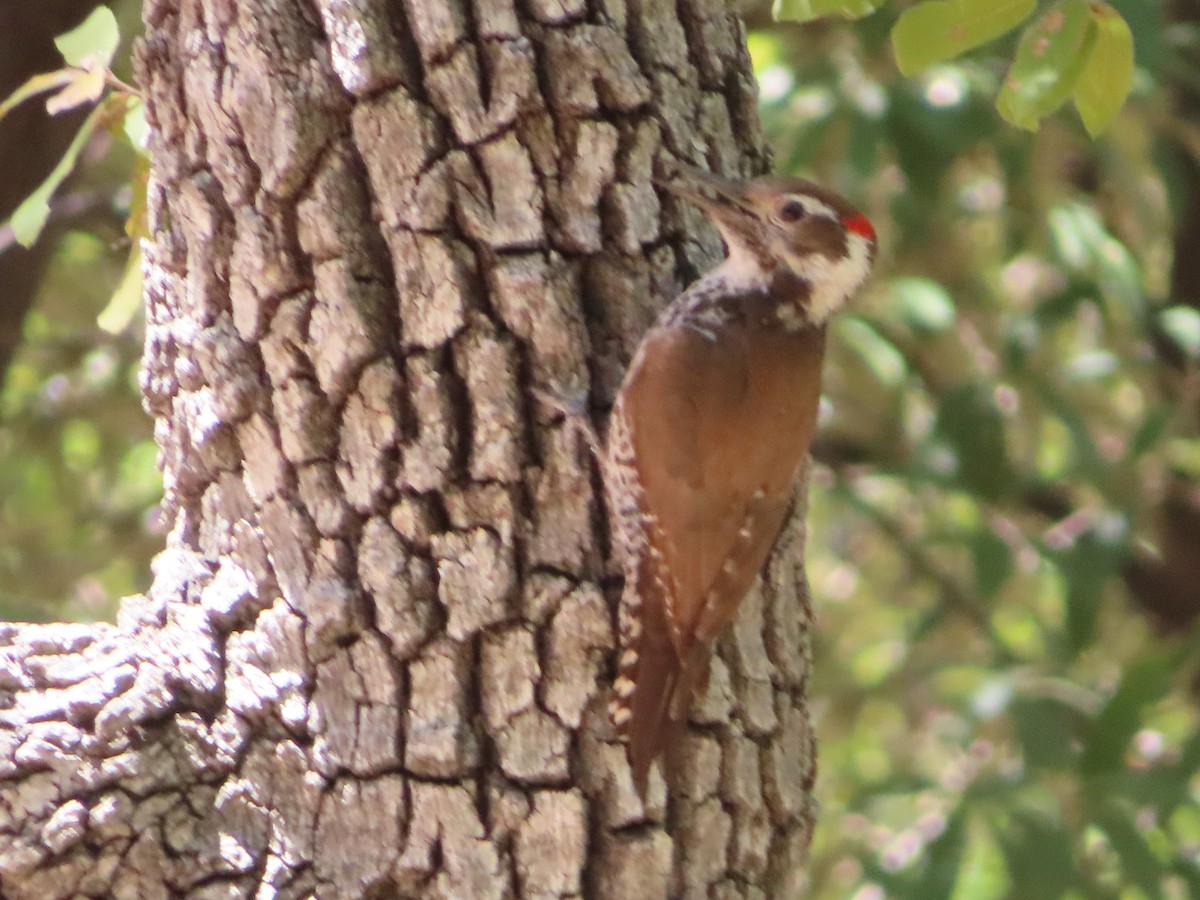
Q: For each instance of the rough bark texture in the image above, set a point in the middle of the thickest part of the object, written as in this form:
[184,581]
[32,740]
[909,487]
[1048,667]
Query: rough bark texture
[376,656]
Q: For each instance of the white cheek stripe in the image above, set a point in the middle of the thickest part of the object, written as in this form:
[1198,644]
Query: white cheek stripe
[813,206]
[832,282]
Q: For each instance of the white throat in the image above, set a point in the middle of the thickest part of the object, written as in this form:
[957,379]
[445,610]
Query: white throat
[740,269]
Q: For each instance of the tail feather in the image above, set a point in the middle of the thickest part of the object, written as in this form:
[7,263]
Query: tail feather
[654,687]
[655,676]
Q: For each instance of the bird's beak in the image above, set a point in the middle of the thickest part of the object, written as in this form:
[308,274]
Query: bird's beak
[724,199]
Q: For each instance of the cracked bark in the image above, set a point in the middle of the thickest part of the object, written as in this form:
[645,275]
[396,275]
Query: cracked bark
[375,658]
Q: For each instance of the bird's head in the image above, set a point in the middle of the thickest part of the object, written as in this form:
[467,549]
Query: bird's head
[776,226]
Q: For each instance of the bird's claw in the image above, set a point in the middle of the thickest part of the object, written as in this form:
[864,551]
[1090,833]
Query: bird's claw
[573,405]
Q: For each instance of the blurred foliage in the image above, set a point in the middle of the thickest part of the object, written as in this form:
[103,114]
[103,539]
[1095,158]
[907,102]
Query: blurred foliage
[1079,50]
[1011,402]
[85,80]
[78,482]
[1012,435]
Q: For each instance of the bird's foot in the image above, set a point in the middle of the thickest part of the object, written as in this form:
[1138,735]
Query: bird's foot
[572,404]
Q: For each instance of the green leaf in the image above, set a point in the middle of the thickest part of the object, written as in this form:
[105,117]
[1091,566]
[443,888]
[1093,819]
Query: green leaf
[970,424]
[1107,76]
[983,874]
[886,363]
[138,481]
[923,304]
[134,125]
[1039,855]
[1074,227]
[938,30]
[1144,683]
[1087,248]
[1049,62]
[1087,565]
[1150,433]
[1046,727]
[1182,325]
[126,299]
[81,444]
[1138,861]
[1091,365]
[29,218]
[135,222]
[1183,456]
[944,860]
[807,10]
[38,84]
[992,560]
[1119,275]
[95,38]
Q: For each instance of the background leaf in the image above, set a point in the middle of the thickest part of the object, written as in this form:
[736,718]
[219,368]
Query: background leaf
[937,30]
[37,84]
[1143,683]
[1107,76]
[1050,60]
[29,218]
[807,10]
[971,426]
[96,38]
[875,350]
[1182,326]
[923,304]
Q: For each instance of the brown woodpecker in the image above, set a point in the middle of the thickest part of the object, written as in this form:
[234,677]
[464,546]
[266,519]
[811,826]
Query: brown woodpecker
[710,429]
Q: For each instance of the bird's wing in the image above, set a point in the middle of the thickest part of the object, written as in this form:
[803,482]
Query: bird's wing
[717,439]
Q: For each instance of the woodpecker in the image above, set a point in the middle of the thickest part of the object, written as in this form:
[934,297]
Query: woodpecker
[710,429]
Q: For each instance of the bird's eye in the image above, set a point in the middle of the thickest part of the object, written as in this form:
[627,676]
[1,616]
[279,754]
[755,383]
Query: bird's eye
[792,210]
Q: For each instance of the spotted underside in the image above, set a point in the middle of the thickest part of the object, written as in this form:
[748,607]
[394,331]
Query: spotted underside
[711,426]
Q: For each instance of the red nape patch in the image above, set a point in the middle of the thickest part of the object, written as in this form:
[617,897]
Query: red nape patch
[860,224]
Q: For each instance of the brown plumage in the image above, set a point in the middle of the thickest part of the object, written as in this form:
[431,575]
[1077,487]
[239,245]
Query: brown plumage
[711,426]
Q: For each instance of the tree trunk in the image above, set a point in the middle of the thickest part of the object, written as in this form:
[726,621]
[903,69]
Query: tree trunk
[376,656]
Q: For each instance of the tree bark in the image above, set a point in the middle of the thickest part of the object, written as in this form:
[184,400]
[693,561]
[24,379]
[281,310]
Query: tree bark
[376,655]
